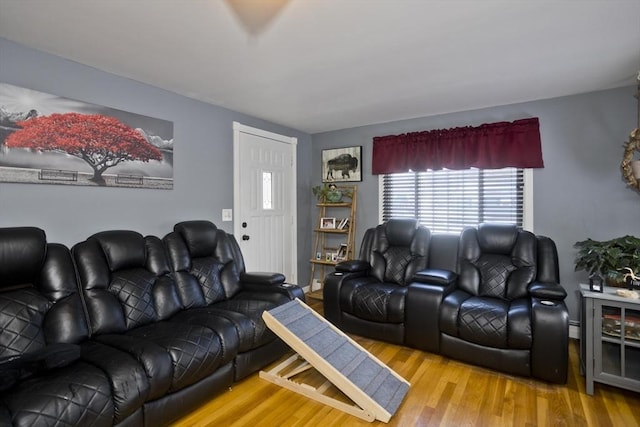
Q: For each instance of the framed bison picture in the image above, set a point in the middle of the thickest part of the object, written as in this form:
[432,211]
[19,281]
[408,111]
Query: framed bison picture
[342,164]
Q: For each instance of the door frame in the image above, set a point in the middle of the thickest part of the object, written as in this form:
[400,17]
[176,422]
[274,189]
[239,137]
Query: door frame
[239,128]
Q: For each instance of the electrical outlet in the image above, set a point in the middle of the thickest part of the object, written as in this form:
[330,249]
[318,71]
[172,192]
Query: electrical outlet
[227,215]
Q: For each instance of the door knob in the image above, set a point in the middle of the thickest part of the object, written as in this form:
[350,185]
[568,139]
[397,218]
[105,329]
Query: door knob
[245,237]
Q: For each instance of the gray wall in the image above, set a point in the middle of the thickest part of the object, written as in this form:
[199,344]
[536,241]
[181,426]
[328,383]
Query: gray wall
[203,158]
[580,193]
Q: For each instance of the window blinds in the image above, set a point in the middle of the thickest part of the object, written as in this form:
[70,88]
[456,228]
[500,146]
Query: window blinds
[446,201]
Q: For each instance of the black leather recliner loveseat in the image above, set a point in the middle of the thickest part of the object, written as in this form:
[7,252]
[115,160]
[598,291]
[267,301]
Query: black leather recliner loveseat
[128,330]
[489,296]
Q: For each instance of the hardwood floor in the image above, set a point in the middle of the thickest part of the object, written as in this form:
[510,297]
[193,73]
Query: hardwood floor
[443,392]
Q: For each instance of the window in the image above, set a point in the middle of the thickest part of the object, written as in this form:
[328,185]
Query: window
[267,190]
[446,201]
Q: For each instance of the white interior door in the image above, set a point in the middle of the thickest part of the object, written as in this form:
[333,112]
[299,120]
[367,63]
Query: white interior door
[264,200]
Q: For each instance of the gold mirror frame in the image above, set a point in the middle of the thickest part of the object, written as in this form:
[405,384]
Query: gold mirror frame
[631,147]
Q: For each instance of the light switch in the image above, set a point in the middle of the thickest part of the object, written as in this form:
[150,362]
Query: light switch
[227,214]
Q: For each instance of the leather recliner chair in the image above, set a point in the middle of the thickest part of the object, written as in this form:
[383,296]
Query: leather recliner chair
[506,309]
[367,296]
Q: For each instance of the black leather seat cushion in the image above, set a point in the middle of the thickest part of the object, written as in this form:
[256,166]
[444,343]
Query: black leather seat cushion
[76,395]
[127,377]
[368,299]
[486,321]
[25,365]
[245,315]
[174,355]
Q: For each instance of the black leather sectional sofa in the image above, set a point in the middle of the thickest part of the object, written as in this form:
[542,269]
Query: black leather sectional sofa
[128,330]
[489,296]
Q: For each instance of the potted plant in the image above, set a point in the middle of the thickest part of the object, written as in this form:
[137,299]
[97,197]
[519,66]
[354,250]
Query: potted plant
[330,193]
[609,258]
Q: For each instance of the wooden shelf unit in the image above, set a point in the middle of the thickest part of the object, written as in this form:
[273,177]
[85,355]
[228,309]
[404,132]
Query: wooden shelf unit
[328,240]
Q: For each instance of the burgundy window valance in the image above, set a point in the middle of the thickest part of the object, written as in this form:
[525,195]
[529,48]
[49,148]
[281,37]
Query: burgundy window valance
[488,146]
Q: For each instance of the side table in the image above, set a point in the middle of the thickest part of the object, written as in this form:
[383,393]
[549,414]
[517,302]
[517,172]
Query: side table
[610,339]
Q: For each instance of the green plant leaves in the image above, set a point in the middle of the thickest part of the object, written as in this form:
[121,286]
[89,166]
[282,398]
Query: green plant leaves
[611,255]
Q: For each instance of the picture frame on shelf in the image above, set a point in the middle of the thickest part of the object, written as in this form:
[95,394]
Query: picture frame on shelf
[328,257]
[342,252]
[328,223]
[342,164]
[318,256]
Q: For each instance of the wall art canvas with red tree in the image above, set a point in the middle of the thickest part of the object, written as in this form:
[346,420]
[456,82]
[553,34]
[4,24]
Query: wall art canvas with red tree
[48,139]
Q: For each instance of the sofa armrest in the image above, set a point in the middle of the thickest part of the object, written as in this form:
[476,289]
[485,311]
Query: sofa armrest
[547,291]
[279,294]
[50,357]
[550,346]
[262,278]
[550,332]
[422,308]
[436,276]
[352,266]
[272,283]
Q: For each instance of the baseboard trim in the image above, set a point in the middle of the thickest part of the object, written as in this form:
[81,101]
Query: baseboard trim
[574,331]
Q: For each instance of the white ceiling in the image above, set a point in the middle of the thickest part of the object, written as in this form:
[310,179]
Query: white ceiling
[330,64]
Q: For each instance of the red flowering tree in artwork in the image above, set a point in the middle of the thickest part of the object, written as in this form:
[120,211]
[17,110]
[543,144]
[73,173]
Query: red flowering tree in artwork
[101,141]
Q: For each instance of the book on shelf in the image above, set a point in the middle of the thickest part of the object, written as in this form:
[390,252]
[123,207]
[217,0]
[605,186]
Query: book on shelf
[343,224]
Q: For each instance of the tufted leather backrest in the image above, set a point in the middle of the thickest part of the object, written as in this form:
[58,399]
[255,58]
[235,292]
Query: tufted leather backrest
[204,261]
[396,250]
[22,251]
[39,300]
[497,260]
[125,279]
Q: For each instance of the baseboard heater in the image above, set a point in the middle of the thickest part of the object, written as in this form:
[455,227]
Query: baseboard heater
[375,390]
